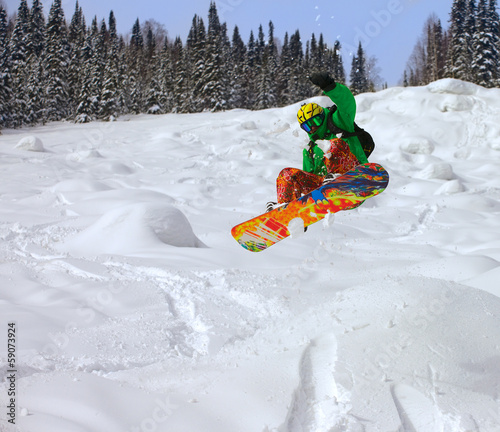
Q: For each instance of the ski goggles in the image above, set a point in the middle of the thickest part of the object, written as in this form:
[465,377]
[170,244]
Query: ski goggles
[317,120]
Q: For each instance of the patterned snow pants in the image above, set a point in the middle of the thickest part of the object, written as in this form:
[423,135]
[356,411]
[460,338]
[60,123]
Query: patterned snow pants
[292,183]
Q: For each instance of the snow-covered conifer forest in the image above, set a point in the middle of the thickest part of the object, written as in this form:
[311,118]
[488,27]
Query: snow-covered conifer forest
[53,69]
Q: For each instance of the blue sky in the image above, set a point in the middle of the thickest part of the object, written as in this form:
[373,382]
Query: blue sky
[388,29]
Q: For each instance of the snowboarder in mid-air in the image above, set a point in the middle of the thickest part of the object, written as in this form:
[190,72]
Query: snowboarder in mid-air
[312,193]
[325,124]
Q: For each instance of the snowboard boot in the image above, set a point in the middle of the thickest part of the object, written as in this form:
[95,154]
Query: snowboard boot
[330,177]
[271,205]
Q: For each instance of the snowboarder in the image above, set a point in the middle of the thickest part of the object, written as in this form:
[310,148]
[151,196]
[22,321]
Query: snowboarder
[323,124]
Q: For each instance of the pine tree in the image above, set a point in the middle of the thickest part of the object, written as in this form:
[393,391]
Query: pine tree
[213,93]
[266,94]
[251,70]
[56,62]
[284,73]
[88,99]
[76,30]
[309,89]
[486,57]
[149,80]
[315,56]
[494,25]
[137,40]
[76,38]
[35,50]
[19,45]
[458,58]
[154,92]
[337,65]
[36,42]
[136,70]
[99,62]
[324,53]
[165,73]
[260,46]
[35,91]
[5,76]
[196,64]
[314,61]
[469,30]
[4,38]
[181,81]
[110,100]
[151,83]
[122,77]
[496,35]
[226,66]
[299,85]
[19,41]
[238,90]
[359,78]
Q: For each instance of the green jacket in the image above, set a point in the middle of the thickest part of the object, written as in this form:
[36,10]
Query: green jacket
[343,117]
[312,160]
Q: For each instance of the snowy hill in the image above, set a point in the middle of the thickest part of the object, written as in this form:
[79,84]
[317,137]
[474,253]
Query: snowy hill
[135,309]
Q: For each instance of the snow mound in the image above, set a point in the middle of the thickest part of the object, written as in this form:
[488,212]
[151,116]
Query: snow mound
[439,171]
[31,143]
[249,125]
[453,86]
[133,229]
[452,103]
[84,154]
[417,145]
[450,187]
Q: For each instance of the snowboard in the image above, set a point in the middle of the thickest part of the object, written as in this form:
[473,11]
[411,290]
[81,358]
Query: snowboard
[344,193]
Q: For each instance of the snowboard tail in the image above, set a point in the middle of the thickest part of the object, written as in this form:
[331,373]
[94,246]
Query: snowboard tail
[344,193]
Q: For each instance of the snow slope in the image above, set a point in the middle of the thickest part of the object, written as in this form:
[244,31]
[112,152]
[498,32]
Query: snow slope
[136,310]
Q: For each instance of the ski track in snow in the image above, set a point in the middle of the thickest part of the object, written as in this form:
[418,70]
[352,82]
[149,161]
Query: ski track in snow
[137,311]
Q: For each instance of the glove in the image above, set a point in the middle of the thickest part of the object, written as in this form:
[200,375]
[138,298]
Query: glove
[323,80]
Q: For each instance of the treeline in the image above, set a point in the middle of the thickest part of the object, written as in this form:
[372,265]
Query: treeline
[56,70]
[468,50]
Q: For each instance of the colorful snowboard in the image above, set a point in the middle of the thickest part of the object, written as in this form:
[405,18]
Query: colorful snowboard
[344,193]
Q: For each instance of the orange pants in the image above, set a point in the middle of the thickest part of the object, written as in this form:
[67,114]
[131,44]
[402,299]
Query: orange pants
[292,183]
